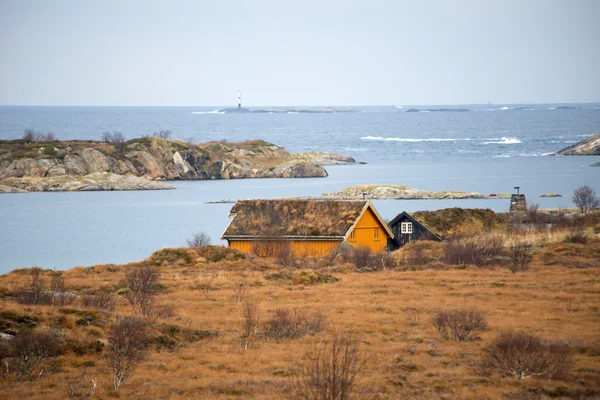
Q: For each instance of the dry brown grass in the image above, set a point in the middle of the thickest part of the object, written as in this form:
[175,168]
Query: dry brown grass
[390,310]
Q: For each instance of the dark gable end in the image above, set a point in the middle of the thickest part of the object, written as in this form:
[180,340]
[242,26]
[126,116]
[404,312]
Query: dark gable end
[418,231]
[293,218]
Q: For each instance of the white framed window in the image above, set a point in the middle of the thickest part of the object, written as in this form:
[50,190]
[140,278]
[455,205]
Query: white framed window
[376,233]
[406,227]
[353,235]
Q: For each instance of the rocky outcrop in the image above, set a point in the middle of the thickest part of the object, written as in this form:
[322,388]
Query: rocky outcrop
[589,146]
[383,192]
[90,182]
[550,195]
[325,158]
[152,159]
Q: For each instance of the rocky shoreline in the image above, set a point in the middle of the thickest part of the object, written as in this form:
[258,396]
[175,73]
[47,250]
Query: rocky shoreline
[396,192]
[139,163]
[589,146]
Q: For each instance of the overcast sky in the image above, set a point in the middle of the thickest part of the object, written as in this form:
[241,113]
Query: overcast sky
[323,52]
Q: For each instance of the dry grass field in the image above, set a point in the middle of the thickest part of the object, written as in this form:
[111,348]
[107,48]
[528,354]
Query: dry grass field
[197,352]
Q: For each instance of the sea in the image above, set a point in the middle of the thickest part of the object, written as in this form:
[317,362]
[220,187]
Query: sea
[487,149]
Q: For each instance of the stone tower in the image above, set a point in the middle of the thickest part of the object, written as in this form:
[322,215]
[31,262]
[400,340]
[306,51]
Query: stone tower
[518,203]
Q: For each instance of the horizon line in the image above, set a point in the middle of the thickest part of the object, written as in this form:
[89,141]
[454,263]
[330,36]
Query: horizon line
[297,105]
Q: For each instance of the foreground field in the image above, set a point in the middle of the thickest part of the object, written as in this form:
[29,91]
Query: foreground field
[389,310]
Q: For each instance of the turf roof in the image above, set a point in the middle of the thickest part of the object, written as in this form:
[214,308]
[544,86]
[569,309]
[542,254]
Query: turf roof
[331,218]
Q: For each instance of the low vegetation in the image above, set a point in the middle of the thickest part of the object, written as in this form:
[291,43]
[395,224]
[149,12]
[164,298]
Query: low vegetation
[514,318]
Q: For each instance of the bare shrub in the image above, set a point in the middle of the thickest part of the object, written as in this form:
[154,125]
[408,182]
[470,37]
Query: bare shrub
[199,239]
[58,291]
[102,300]
[31,135]
[29,353]
[115,137]
[291,324]
[461,325]
[480,251]
[518,354]
[285,255]
[143,287]
[520,256]
[250,322]
[533,214]
[330,373]
[163,134]
[417,253]
[266,247]
[127,347]
[240,292]
[382,261]
[361,257]
[78,386]
[585,199]
[576,235]
[35,294]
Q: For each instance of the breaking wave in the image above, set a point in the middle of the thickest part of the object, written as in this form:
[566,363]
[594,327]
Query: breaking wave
[504,140]
[396,139]
[208,112]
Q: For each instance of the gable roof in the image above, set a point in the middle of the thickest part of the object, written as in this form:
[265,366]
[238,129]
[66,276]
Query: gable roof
[331,219]
[405,215]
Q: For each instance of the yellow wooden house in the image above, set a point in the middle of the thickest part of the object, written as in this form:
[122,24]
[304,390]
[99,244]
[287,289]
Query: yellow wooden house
[309,227]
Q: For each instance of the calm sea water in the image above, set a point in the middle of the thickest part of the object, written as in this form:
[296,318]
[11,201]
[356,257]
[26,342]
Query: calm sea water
[482,150]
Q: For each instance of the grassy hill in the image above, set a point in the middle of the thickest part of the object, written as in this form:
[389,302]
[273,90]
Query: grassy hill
[198,341]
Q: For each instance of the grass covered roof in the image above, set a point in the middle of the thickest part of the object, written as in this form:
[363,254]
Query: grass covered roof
[293,217]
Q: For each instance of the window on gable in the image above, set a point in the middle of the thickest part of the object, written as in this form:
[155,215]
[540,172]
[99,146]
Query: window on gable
[353,235]
[406,227]
[376,233]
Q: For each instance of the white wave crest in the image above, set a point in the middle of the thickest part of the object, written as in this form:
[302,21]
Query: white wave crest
[292,112]
[506,108]
[547,154]
[355,149]
[415,140]
[504,140]
[208,112]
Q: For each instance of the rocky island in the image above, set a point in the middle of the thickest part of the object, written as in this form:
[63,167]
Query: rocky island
[139,164]
[396,192]
[589,146]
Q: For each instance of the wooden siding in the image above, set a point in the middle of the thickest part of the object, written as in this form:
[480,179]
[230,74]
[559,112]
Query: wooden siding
[418,232]
[303,248]
[363,233]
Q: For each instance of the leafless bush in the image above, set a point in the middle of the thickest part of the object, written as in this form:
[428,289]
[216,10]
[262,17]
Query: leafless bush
[518,354]
[331,373]
[266,247]
[576,235]
[32,136]
[127,345]
[240,291]
[58,291]
[480,251]
[250,322]
[462,325]
[80,386]
[143,287]
[102,300]
[585,199]
[417,253]
[361,257]
[35,294]
[28,353]
[163,134]
[533,214]
[200,239]
[382,261]
[291,324]
[520,256]
[115,137]
[285,255]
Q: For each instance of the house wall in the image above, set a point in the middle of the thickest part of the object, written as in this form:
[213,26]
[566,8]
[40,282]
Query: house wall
[404,238]
[364,233]
[303,248]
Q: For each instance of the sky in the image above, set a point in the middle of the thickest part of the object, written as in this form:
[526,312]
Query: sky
[285,53]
